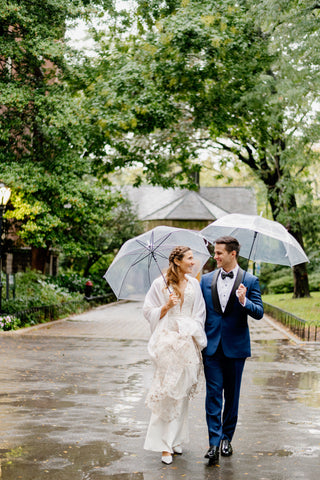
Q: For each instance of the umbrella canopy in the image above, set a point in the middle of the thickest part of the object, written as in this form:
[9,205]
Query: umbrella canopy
[260,239]
[143,258]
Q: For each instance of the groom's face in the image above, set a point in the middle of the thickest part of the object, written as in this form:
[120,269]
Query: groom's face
[224,259]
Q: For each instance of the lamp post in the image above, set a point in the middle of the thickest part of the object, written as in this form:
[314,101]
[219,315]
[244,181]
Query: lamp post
[4,198]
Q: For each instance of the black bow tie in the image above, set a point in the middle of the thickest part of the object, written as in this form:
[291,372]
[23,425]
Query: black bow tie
[224,275]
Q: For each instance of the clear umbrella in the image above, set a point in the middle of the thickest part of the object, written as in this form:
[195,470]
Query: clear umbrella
[143,258]
[260,239]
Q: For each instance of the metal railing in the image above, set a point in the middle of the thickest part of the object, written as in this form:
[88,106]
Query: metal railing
[306,330]
[48,313]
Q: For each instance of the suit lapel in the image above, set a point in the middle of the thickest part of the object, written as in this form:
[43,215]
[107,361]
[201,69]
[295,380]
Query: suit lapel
[233,291]
[214,293]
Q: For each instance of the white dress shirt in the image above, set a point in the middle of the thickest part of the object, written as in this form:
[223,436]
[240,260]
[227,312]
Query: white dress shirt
[224,287]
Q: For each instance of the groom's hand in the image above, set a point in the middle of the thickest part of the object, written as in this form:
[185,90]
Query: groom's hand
[241,294]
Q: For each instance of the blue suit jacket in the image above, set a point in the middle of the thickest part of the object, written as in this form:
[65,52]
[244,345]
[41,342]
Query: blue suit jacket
[231,326]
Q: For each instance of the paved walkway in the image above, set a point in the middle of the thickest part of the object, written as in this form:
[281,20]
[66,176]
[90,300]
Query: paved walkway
[72,405]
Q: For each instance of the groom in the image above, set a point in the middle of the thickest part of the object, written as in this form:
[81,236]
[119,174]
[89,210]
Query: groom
[230,295]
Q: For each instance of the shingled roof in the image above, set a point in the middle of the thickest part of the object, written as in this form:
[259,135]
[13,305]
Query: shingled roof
[209,203]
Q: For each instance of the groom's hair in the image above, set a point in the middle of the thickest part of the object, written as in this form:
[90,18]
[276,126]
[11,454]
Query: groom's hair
[231,244]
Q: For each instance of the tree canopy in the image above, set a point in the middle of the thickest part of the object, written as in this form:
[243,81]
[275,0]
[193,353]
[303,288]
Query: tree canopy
[242,78]
[55,198]
[170,78]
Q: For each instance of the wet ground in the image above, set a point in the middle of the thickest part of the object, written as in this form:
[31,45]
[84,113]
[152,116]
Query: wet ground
[72,405]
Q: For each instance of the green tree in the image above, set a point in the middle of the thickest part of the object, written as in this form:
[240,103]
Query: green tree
[41,132]
[216,75]
[103,238]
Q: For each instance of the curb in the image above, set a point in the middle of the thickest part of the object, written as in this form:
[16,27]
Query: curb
[281,329]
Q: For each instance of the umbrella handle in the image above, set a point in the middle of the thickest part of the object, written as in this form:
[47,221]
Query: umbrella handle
[254,239]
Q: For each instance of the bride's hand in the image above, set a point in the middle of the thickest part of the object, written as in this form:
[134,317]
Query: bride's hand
[173,300]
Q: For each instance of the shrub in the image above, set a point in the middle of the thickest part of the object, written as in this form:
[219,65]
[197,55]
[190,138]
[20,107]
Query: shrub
[281,285]
[74,282]
[34,290]
[284,284]
[314,282]
[9,322]
[269,273]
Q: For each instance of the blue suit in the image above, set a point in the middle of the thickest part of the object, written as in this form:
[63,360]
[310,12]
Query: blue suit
[228,347]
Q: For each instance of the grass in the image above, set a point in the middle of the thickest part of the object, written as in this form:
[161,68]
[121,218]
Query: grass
[306,308]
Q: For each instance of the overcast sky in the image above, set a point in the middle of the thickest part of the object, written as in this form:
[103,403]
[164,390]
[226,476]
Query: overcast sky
[78,34]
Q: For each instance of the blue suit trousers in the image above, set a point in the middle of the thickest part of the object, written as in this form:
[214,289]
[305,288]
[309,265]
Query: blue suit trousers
[223,382]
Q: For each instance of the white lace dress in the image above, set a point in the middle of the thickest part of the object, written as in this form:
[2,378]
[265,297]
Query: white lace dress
[175,348]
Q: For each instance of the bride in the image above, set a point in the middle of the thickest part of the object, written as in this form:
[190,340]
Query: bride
[175,310]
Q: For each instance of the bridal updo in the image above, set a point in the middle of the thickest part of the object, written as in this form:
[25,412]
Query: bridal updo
[172,275]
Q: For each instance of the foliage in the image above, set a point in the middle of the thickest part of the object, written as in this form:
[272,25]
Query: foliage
[74,282]
[314,281]
[284,284]
[112,227]
[42,155]
[281,285]
[311,233]
[172,79]
[43,298]
[224,76]
[34,290]
[9,322]
[269,272]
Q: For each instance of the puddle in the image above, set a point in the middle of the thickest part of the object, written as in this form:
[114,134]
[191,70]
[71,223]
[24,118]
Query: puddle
[128,432]
[64,462]
[282,453]
[118,476]
[73,409]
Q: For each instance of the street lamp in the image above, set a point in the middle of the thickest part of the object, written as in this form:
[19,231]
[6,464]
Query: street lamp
[4,198]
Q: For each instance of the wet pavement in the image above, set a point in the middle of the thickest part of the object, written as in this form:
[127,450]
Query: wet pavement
[72,405]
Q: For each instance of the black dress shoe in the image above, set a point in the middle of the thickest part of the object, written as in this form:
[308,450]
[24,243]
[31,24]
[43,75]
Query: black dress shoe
[226,448]
[212,454]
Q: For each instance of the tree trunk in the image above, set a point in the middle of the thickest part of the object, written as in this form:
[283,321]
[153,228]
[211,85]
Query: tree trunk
[300,274]
[273,179]
[300,281]
[38,259]
[91,261]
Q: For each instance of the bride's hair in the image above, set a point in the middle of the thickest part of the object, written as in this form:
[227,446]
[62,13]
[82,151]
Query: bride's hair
[172,275]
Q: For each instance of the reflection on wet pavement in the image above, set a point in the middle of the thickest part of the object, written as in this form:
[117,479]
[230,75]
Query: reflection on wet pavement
[63,462]
[61,403]
[72,408]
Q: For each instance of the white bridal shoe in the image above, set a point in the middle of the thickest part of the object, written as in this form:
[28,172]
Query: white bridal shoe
[178,449]
[167,459]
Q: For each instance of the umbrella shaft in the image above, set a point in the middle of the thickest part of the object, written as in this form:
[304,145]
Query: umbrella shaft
[165,281]
[254,239]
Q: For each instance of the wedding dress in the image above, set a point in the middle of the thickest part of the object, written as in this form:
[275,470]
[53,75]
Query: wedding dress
[175,348]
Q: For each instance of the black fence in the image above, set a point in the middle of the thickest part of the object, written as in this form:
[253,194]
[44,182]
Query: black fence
[48,313]
[306,330]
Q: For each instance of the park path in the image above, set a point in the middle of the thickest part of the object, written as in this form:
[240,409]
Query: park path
[72,405]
